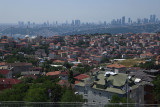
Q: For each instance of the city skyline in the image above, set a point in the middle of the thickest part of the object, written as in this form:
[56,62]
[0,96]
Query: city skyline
[120,21]
[86,11]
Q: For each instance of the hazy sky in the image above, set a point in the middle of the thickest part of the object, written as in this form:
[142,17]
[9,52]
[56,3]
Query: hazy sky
[12,11]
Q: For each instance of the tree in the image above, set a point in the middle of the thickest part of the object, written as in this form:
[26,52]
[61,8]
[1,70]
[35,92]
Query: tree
[17,93]
[1,76]
[69,96]
[70,77]
[56,90]
[156,83]
[67,65]
[57,93]
[83,68]
[105,60]
[147,65]
[27,80]
[116,99]
[36,95]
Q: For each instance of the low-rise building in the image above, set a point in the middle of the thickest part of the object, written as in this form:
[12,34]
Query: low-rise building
[6,83]
[19,67]
[117,68]
[102,86]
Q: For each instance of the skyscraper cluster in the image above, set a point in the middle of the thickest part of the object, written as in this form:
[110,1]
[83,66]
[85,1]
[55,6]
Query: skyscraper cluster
[76,22]
[123,21]
[152,18]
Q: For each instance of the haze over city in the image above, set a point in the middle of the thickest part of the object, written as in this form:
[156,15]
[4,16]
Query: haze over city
[67,10]
[79,53]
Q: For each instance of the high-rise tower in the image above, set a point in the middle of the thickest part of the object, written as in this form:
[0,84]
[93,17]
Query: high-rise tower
[123,20]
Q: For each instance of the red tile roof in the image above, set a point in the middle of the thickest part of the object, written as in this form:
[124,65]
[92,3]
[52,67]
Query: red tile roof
[59,61]
[4,71]
[76,82]
[63,82]
[9,81]
[2,63]
[81,76]
[53,73]
[23,43]
[64,73]
[20,64]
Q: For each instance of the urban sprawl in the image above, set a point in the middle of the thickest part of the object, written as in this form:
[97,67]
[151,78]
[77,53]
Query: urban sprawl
[91,68]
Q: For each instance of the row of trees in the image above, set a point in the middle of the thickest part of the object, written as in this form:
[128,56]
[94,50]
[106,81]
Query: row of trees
[20,58]
[156,83]
[38,91]
[148,65]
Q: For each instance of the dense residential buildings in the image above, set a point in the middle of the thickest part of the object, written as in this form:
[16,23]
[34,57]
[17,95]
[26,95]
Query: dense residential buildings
[90,64]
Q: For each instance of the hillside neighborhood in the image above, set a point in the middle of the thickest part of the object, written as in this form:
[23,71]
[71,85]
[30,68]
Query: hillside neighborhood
[90,68]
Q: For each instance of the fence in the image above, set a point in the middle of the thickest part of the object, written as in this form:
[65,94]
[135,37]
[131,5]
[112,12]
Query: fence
[70,104]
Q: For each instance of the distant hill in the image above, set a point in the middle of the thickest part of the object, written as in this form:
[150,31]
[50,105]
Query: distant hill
[150,28]
[71,30]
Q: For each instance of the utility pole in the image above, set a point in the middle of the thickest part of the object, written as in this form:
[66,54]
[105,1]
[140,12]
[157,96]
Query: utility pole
[127,88]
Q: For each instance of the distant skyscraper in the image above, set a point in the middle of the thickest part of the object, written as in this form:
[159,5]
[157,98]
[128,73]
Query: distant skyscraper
[72,22]
[117,21]
[123,20]
[34,23]
[157,20]
[28,23]
[151,18]
[145,20]
[21,23]
[138,21]
[154,18]
[113,22]
[47,23]
[77,22]
[56,22]
[120,21]
[129,20]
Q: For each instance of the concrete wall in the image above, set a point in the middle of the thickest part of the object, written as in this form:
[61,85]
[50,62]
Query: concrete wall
[100,96]
[93,95]
[137,95]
